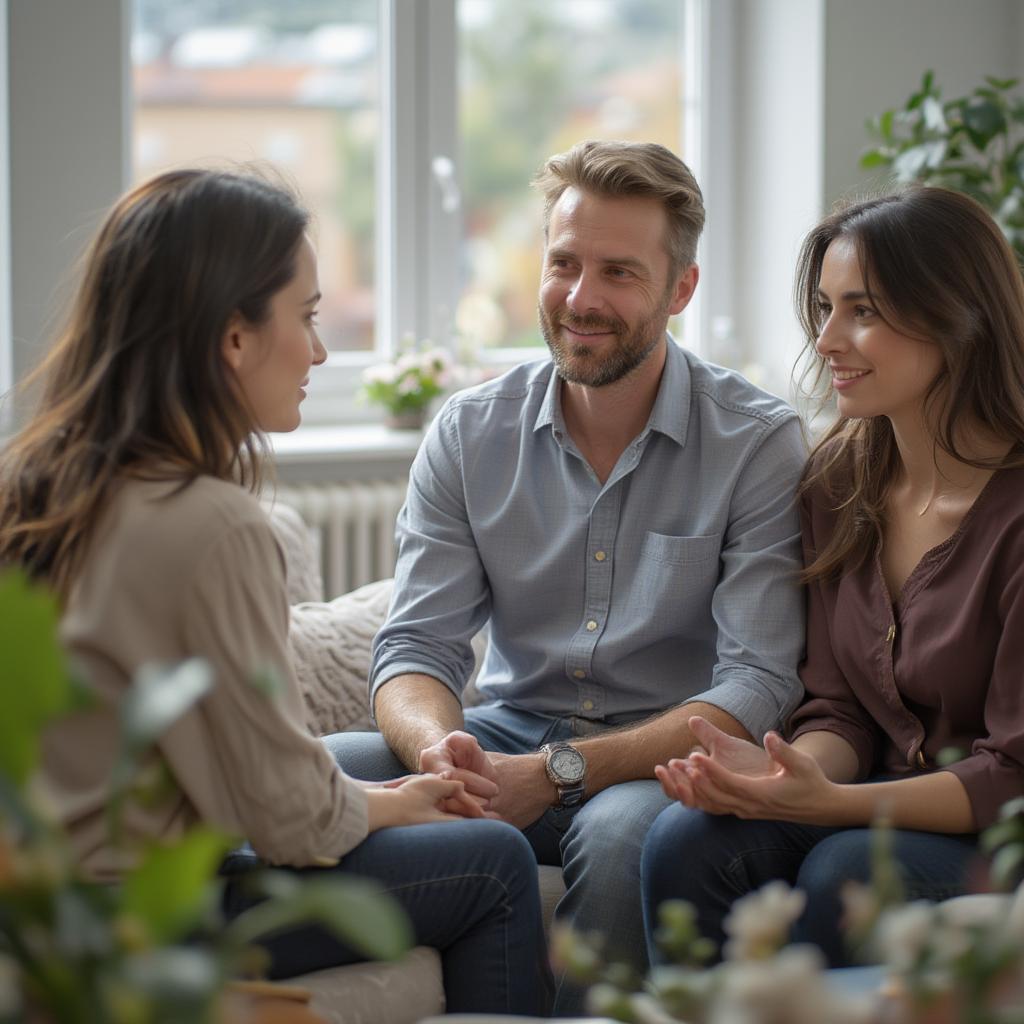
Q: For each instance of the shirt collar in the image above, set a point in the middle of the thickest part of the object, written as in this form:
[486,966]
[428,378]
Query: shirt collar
[670,414]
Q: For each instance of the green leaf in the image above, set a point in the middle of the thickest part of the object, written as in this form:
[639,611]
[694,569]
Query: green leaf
[909,165]
[1006,866]
[32,673]
[358,911]
[82,929]
[885,123]
[159,697]
[174,977]
[934,117]
[983,120]
[1002,84]
[874,158]
[1001,833]
[171,889]
[949,755]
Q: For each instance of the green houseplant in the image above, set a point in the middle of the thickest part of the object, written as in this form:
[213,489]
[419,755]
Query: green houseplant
[154,949]
[974,144]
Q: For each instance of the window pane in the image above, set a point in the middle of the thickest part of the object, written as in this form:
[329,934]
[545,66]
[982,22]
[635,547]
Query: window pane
[293,84]
[534,78]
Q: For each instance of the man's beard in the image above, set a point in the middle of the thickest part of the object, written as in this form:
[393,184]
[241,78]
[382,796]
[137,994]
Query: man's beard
[580,364]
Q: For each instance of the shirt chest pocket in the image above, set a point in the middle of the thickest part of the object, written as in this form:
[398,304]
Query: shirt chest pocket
[676,578]
[658,547]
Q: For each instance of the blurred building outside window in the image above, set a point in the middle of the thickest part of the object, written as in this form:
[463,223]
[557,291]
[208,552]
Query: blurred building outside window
[303,86]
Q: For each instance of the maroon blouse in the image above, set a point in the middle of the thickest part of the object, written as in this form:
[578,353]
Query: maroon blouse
[943,667]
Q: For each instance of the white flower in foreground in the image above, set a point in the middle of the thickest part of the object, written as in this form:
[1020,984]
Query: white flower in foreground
[903,934]
[10,997]
[1015,917]
[789,988]
[759,924]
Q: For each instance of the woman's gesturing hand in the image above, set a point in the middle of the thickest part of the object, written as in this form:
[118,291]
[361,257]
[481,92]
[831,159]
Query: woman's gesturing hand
[731,776]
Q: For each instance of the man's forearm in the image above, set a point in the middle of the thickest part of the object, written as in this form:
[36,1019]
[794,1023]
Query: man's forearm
[622,755]
[415,711]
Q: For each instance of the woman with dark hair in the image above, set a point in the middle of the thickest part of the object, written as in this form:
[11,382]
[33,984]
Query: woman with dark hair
[130,494]
[913,524]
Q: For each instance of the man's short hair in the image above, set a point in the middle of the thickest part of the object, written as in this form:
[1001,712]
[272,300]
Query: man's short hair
[610,168]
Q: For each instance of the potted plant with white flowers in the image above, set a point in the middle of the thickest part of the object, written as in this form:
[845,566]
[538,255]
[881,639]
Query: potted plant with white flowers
[406,385]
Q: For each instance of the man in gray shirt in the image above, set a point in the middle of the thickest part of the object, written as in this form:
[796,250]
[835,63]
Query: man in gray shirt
[623,518]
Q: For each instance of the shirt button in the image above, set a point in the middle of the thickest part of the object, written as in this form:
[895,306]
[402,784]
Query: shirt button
[600,556]
[579,674]
[588,705]
[591,626]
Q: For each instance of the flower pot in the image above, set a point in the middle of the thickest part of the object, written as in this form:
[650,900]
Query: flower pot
[412,420]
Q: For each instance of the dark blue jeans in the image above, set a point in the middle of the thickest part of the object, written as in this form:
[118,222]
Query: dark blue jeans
[598,844]
[711,860]
[470,891]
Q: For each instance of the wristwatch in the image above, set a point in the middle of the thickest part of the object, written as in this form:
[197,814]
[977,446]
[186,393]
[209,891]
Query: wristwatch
[566,767]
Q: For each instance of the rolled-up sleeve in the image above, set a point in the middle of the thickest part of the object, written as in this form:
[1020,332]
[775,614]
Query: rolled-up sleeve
[994,770]
[831,704]
[758,604]
[441,596]
[258,770]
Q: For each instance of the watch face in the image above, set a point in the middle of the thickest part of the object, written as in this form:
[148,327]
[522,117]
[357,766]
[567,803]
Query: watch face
[568,764]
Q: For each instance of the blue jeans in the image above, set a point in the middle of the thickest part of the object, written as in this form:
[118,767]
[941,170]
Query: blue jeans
[598,844]
[469,889]
[711,860]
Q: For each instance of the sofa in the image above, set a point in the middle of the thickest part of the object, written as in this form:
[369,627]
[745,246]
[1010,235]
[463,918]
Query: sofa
[330,643]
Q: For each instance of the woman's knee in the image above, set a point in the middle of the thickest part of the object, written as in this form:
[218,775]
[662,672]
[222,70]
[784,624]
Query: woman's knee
[678,846]
[843,857]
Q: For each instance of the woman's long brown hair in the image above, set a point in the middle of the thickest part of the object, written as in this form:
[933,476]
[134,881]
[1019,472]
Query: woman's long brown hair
[136,383]
[937,268]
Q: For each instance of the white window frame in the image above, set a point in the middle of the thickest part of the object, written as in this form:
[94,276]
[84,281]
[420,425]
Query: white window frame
[417,253]
[417,284]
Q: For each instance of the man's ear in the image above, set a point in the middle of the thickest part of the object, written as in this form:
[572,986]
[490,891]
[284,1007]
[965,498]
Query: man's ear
[686,285]
[236,342]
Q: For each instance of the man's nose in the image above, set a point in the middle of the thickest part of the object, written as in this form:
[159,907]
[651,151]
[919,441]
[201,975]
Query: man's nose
[585,295]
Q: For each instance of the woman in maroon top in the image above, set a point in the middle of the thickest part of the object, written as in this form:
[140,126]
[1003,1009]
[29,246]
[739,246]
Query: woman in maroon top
[913,522]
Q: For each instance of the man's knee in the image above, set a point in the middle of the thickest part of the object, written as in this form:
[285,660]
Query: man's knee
[364,755]
[611,826]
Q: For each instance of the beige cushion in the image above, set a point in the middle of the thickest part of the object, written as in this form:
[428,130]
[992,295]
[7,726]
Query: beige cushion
[403,992]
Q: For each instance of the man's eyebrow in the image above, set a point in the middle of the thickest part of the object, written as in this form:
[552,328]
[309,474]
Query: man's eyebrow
[614,261]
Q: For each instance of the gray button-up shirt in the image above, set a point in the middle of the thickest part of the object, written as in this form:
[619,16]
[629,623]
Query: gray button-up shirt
[674,580]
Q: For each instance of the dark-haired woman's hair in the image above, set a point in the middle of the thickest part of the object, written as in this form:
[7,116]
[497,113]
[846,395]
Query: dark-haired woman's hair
[937,268]
[136,384]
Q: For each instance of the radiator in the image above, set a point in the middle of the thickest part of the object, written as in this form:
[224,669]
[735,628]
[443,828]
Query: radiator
[353,526]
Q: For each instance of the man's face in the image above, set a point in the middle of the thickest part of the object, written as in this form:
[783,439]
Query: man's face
[606,293]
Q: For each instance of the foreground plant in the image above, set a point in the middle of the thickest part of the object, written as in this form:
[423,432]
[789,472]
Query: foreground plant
[153,949]
[949,963]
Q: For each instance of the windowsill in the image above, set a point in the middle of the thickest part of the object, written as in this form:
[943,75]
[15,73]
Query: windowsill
[321,453]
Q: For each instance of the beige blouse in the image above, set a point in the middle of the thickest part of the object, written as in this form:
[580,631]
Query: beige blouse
[170,576]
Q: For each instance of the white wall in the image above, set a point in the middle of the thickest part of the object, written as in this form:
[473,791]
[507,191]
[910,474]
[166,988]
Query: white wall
[68,139]
[810,73]
[879,49]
